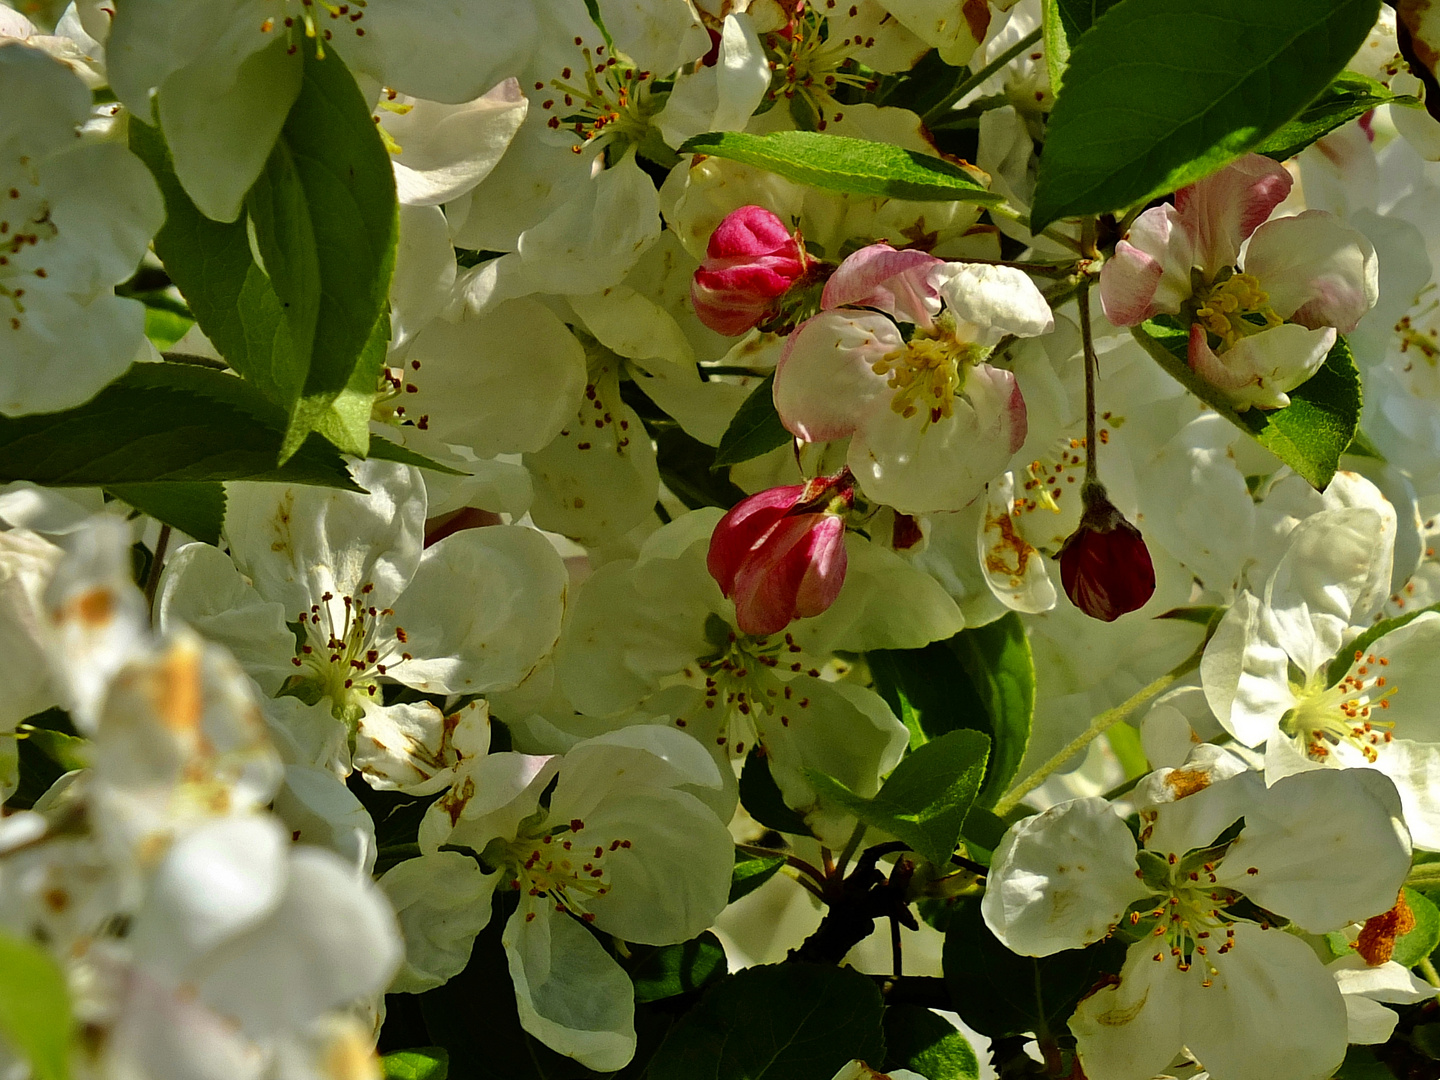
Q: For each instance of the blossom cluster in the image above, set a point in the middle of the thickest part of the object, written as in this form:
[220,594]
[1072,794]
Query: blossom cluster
[609,533]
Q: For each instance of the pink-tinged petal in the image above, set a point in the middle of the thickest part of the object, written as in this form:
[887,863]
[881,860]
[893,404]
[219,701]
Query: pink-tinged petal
[750,230]
[1222,210]
[738,533]
[1316,270]
[751,260]
[797,572]
[996,396]
[825,384]
[1260,369]
[992,301]
[825,565]
[878,276]
[1150,271]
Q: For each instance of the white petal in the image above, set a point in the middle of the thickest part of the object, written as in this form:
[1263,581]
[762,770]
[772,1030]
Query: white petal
[1061,879]
[1131,1031]
[1315,269]
[1296,843]
[319,809]
[298,543]
[995,301]
[1245,672]
[482,610]
[1260,369]
[202,589]
[443,901]
[571,995]
[1413,767]
[445,150]
[1015,571]
[502,382]
[1368,1022]
[1389,981]
[424,272]
[1272,1011]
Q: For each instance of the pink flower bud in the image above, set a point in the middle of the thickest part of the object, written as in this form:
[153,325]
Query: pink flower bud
[780,554]
[750,262]
[1104,564]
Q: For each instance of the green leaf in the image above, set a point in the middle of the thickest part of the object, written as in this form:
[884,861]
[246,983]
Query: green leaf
[1309,434]
[386,450]
[197,510]
[999,993]
[926,1043]
[762,799]
[850,166]
[928,690]
[1361,1064]
[1348,96]
[35,1007]
[163,422]
[1420,942]
[326,222]
[1125,741]
[752,871]
[1341,664]
[1159,93]
[756,428]
[672,970]
[997,659]
[427,1063]
[925,800]
[782,1022]
[1426,1039]
[1063,21]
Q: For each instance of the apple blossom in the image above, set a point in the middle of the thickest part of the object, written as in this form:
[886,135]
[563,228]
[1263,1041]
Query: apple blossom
[1205,967]
[76,215]
[1259,324]
[929,419]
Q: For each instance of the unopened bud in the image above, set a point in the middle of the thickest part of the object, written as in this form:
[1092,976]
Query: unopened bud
[780,554]
[1104,564]
[751,261]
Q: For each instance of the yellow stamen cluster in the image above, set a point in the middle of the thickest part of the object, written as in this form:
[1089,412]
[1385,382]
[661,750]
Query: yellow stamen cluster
[1235,308]
[927,374]
[557,864]
[614,102]
[808,60]
[1347,712]
[348,648]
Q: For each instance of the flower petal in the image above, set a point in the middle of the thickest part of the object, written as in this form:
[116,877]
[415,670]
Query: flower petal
[1132,1030]
[1316,270]
[1223,209]
[1061,879]
[825,384]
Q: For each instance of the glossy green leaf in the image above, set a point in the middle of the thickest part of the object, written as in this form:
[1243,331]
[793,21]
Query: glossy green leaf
[1309,434]
[671,970]
[761,798]
[198,510]
[386,450]
[926,1043]
[35,1014]
[326,222]
[1349,96]
[755,429]
[163,422]
[1062,22]
[782,1022]
[997,659]
[427,1063]
[850,166]
[925,800]
[1420,941]
[1159,93]
[999,993]
[751,872]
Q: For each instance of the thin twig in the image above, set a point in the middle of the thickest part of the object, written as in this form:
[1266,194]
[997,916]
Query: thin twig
[157,563]
[1087,341]
[945,104]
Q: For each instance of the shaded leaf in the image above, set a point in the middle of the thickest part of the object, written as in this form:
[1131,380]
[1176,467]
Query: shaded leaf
[427,1063]
[926,1043]
[751,872]
[761,798]
[1351,95]
[35,1014]
[197,510]
[671,970]
[997,659]
[756,428]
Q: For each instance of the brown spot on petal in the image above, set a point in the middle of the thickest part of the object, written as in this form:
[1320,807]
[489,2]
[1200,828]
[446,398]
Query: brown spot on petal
[1182,782]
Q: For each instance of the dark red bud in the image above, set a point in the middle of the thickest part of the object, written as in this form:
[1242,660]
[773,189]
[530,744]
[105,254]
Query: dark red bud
[1104,564]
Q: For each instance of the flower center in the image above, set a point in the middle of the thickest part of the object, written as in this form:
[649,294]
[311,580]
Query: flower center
[321,19]
[807,61]
[927,374]
[1346,714]
[347,647]
[739,680]
[1235,308]
[1417,360]
[395,383]
[24,223]
[610,101]
[555,862]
